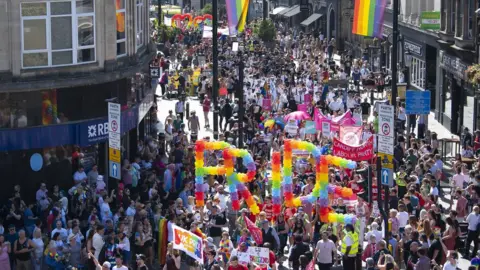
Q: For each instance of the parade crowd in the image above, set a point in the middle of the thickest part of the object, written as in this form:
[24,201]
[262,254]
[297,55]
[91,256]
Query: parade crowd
[95,226]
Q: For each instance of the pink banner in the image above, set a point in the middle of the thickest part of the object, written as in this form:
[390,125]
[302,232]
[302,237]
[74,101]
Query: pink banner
[351,135]
[357,153]
[267,104]
[307,98]
[343,120]
[302,108]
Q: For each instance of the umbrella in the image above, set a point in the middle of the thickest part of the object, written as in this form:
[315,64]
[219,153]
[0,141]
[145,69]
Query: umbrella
[271,122]
[298,115]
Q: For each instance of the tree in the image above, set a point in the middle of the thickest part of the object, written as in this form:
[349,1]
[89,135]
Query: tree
[266,30]
[207,9]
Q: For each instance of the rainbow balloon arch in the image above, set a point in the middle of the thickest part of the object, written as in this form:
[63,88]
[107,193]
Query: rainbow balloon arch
[236,181]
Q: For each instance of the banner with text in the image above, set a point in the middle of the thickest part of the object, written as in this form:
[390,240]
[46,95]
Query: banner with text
[257,255]
[361,152]
[351,135]
[267,104]
[188,242]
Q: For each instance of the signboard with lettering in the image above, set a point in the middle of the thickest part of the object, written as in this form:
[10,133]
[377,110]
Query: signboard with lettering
[257,255]
[453,65]
[430,20]
[413,47]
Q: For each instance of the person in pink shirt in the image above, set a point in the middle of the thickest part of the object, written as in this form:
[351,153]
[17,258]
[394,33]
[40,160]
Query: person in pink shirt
[461,208]
[206,108]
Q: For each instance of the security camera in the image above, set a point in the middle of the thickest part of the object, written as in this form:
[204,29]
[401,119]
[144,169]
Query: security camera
[477,12]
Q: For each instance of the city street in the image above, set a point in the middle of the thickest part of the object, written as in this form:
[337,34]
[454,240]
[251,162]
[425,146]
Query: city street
[165,105]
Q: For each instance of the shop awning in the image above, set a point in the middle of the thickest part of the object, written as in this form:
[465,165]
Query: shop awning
[285,10]
[292,12]
[277,10]
[311,19]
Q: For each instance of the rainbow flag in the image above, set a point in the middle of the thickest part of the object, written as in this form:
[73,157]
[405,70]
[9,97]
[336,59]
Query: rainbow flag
[368,17]
[237,15]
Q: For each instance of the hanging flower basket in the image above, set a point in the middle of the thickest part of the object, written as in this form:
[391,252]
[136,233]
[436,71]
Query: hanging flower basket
[473,74]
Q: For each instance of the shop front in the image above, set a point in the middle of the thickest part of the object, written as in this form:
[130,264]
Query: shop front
[457,104]
[32,154]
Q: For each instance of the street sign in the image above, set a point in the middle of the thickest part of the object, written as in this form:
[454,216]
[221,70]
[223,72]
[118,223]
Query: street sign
[387,177]
[386,160]
[385,145]
[417,102]
[154,72]
[114,138]
[114,169]
[386,120]
[114,155]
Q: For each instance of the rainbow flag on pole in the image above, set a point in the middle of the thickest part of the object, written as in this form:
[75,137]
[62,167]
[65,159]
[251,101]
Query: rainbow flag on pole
[368,17]
[237,15]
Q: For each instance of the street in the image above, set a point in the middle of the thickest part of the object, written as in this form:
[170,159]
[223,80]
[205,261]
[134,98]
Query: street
[165,105]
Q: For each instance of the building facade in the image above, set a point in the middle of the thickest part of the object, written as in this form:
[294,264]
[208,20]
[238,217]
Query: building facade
[60,62]
[457,103]
[439,58]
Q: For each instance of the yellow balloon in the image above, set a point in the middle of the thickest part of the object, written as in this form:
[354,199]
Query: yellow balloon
[297,202]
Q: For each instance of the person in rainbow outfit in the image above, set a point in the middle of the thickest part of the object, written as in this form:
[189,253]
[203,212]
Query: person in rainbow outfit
[225,247]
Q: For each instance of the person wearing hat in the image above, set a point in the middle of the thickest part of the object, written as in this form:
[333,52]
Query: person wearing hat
[98,266]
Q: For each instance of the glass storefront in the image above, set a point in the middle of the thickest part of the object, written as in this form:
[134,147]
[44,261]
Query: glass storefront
[56,106]
[468,111]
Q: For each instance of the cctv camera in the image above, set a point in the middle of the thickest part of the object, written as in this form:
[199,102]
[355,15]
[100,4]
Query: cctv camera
[477,12]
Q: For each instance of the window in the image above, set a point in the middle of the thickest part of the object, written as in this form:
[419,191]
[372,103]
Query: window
[471,9]
[54,33]
[121,35]
[459,23]
[443,17]
[417,73]
[139,23]
[453,18]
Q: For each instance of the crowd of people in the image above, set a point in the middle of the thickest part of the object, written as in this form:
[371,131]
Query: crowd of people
[94,225]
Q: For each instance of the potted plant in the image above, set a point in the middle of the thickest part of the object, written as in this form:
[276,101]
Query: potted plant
[473,74]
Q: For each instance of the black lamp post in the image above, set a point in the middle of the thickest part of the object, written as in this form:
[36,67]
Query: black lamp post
[215,68]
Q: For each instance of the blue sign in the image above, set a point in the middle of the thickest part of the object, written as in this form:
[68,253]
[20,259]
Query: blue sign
[114,168]
[81,133]
[387,177]
[310,127]
[417,102]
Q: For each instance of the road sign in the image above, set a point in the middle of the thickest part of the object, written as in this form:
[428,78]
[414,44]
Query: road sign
[154,72]
[114,118]
[387,160]
[385,145]
[114,139]
[386,120]
[417,102]
[114,168]
[114,155]
[387,177]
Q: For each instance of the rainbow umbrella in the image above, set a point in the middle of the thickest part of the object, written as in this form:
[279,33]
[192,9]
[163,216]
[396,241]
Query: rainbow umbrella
[271,122]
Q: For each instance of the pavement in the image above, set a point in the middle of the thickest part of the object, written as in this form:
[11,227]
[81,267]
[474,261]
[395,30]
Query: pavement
[164,105]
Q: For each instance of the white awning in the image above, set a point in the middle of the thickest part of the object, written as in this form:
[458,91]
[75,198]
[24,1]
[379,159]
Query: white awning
[292,12]
[277,10]
[311,19]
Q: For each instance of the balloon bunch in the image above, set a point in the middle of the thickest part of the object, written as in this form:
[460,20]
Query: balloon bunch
[276,183]
[182,21]
[322,188]
[236,181]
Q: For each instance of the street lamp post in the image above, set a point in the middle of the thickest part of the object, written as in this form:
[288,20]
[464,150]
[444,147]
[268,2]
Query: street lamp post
[215,68]
[241,107]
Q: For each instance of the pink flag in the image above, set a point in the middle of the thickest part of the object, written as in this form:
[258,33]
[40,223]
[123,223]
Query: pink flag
[311,266]
[267,104]
[302,108]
